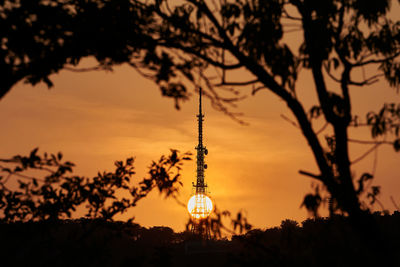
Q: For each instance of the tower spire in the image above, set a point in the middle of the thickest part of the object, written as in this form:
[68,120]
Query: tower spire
[200,117]
[200,90]
[201,151]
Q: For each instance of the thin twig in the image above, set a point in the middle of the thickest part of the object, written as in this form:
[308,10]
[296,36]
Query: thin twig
[376,61]
[290,121]
[27,177]
[138,69]
[255,90]
[287,16]
[8,177]
[375,162]
[380,204]
[394,203]
[83,69]
[217,101]
[224,83]
[369,81]
[366,153]
[315,176]
[365,142]
[322,128]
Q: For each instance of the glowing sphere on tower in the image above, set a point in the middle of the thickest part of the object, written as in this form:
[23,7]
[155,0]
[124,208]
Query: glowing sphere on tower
[200,206]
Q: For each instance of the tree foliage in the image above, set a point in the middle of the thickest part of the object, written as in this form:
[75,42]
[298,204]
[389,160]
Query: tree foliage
[58,194]
[174,42]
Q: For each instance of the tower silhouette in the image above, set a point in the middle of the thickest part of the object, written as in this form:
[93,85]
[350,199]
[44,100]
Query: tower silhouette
[200,205]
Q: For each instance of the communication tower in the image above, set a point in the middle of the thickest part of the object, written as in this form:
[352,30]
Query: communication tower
[200,204]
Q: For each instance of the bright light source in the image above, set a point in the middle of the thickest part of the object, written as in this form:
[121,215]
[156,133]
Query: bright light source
[200,206]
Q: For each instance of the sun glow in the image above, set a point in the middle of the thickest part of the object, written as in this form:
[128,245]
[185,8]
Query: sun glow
[200,206]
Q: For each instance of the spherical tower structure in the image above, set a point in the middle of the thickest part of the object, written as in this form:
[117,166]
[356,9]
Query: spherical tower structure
[200,205]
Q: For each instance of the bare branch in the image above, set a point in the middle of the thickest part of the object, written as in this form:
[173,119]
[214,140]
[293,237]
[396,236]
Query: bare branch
[368,81]
[380,204]
[290,121]
[287,16]
[8,177]
[366,153]
[341,21]
[253,66]
[330,74]
[24,177]
[190,50]
[186,27]
[369,142]
[375,61]
[255,90]
[138,69]
[315,176]
[84,69]
[394,203]
[216,100]
[224,83]
[322,128]
[13,160]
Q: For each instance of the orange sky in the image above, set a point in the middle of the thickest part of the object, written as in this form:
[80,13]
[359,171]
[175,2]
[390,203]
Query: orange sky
[96,118]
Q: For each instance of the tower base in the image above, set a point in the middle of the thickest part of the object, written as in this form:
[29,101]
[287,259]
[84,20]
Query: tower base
[201,227]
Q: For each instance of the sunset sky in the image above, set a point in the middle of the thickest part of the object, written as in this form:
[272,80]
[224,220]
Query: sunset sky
[95,118]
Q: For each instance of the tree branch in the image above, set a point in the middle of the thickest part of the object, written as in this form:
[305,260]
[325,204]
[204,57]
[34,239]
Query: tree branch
[376,61]
[318,177]
[322,128]
[255,90]
[369,81]
[366,153]
[290,121]
[364,142]
[237,83]
[288,16]
[83,69]
[344,84]
[186,27]
[394,203]
[216,100]
[211,61]
[24,177]
[316,64]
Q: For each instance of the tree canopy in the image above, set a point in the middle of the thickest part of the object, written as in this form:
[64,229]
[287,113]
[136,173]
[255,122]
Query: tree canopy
[201,43]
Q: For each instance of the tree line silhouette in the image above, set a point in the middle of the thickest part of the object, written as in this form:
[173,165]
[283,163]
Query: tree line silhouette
[93,242]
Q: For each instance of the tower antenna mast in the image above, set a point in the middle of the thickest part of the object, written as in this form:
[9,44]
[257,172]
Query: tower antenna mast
[200,205]
[201,151]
